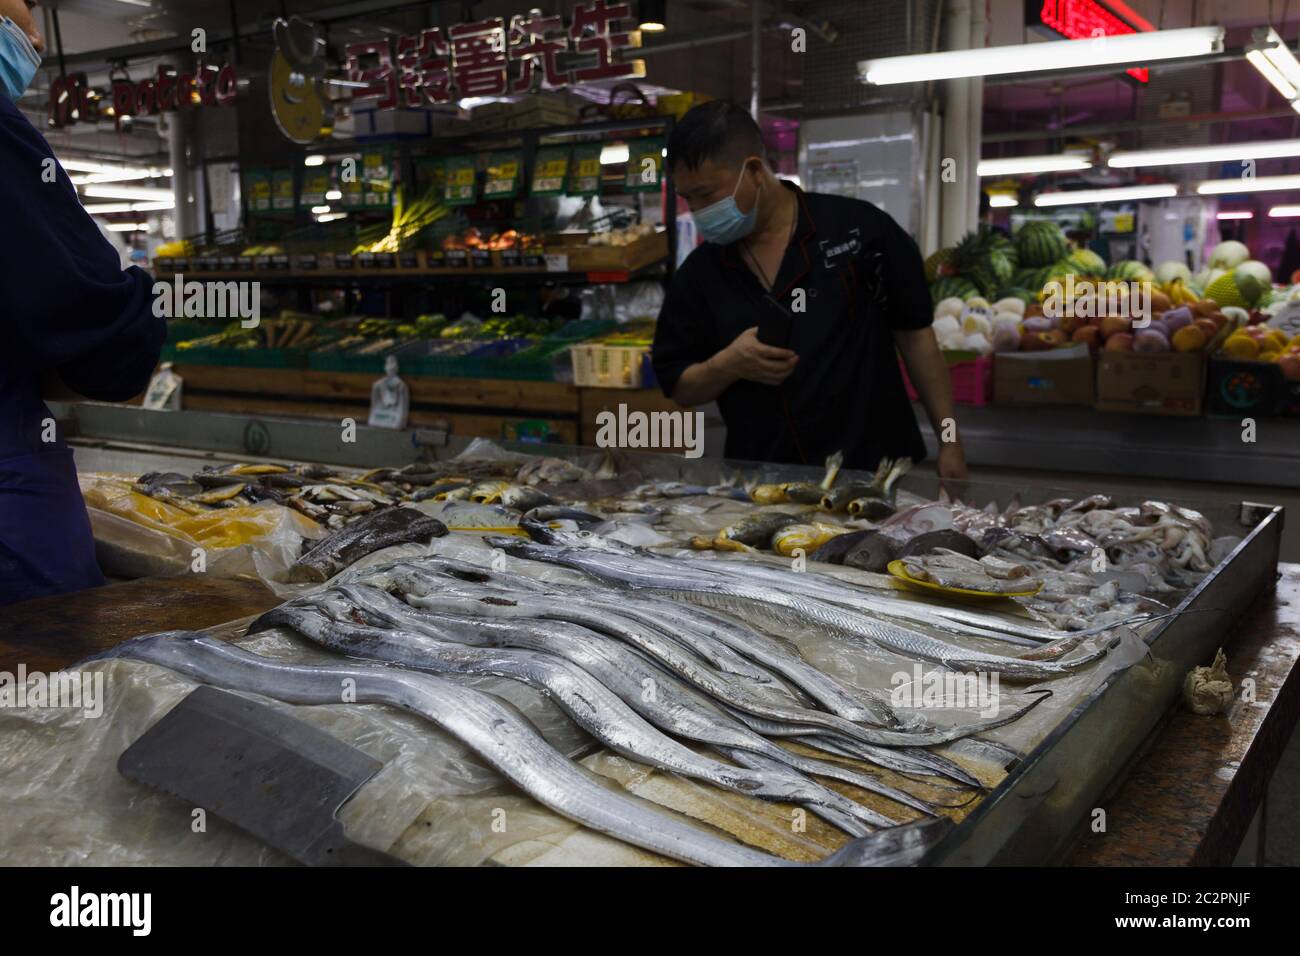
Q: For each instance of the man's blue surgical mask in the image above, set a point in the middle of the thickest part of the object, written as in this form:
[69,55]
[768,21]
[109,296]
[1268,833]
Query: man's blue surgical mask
[18,59]
[723,222]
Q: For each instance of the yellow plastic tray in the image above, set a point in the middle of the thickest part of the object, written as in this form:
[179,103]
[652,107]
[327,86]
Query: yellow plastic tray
[899,570]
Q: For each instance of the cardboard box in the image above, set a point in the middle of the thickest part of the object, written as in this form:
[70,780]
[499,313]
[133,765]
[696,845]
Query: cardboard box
[1151,383]
[1044,378]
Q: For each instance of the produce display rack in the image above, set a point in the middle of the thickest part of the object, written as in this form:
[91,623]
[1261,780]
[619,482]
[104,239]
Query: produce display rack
[469,407]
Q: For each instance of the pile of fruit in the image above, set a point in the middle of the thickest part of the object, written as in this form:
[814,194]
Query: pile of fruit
[1035,292]
[1271,335]
[472,238]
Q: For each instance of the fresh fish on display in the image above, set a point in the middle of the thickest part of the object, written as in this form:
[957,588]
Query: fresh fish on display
[675,706]
[770,605]
[521,497]
[755,530]
[550,471]
[589,703]
[503,737]
[488,492]
[881,487]
[804,537]
[364,536]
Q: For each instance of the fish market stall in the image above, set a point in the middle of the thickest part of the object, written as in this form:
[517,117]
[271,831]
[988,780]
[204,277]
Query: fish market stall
[623,658]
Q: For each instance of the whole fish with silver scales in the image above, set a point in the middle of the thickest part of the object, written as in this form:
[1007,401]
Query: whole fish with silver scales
[503,737]
[674,707]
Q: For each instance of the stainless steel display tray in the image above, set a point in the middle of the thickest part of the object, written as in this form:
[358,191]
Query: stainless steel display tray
[1047,798]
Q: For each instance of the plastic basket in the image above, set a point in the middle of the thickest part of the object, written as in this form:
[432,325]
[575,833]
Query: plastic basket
[972,380]
[608,366]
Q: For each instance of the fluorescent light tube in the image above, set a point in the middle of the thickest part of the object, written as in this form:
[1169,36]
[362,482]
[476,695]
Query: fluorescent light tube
[1082,197]
[1273,58]
[141,193]
[1003,201]
[1130,49]
[1258,184]
[1284,212]
[1274,149]
[1236,214]
[614,153]
[1021,165]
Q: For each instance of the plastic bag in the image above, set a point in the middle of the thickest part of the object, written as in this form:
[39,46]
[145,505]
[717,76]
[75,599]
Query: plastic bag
[137,535]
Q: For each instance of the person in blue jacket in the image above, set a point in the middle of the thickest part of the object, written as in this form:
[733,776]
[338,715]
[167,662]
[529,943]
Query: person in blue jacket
[67,309]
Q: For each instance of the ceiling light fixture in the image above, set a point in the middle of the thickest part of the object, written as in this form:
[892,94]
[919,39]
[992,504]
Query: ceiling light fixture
[1243,184]
[1083,197]
[1226,152]
[1055,55]
[1025,165]
[141,193]
[1270,55]
[1236,214]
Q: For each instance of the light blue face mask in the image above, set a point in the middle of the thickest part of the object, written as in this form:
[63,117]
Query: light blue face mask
[723,222]
[18,59]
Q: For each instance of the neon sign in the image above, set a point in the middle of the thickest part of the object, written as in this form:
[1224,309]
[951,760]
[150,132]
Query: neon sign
[1089,19]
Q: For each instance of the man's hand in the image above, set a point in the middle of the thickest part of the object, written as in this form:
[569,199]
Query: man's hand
[748,358]
[951,466]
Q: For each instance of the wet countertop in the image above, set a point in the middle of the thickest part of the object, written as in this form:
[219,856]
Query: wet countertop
[1193,791]
[53,632]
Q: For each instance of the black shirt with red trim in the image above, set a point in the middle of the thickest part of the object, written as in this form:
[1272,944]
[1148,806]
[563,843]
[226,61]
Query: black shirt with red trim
[859,277]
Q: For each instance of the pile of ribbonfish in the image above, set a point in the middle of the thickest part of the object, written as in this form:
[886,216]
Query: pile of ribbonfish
[565,600]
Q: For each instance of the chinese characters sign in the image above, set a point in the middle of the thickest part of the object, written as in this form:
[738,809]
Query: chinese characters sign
[73,100]
[492,58]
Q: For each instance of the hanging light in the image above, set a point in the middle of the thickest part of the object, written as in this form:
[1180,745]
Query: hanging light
[1131,49]
[1025,165]
[1270,55]
[653,15]
[1082,197]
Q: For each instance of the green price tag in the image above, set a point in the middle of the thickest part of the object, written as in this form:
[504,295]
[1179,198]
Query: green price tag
[377,175]
[282,198]
[257,187]
[461,176]
[550,171]
[584,171]
[645,165]
[502,181]
[315,184]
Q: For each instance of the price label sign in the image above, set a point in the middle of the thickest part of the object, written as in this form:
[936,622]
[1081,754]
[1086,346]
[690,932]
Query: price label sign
[584,171]
[257,187]
[550,171]
[461,176]
[502,180]
[282,198]
[557,262]
[645,162]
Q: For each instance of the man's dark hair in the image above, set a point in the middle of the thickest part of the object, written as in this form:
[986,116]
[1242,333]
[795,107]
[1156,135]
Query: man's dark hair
[715,130]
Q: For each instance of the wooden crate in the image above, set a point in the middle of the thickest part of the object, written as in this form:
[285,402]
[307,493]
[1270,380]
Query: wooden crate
[587,258]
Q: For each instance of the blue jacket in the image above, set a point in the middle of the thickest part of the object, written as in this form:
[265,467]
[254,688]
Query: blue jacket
[65,305]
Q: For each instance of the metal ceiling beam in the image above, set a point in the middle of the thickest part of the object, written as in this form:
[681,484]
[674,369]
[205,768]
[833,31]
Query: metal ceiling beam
[152,48]
[1129,126]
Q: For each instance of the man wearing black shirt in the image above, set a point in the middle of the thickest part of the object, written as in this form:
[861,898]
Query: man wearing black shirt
[846,282]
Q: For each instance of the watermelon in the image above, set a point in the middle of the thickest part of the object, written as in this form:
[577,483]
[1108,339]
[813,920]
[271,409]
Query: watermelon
[1087,263]
[938,264]
[948,287]
[1040,244]
[1130,270]
[1034,277]
[1018,292]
